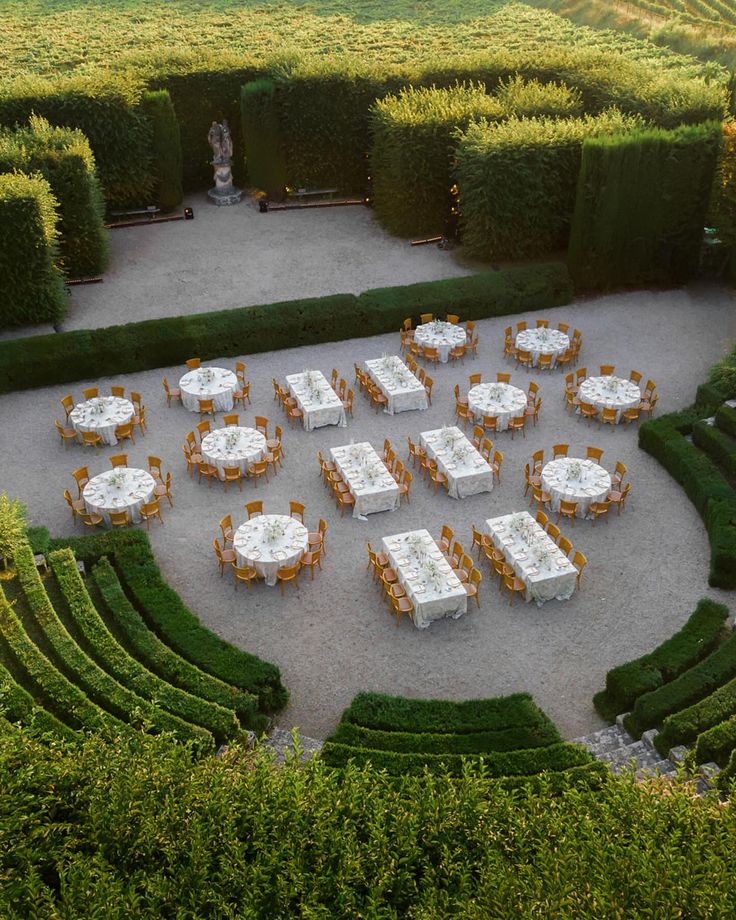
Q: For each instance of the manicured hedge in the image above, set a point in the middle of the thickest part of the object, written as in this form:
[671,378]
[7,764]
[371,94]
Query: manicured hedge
[262,140]
[518,180]
[161,659]
[717,743]
[32,289]
[684,727]
[518,737]
[720,447]
[174,622]
[693,685]
[726,420]
[39,539]
[123,667]
[166,148]
[64,158]
[722,377]
[43,360]
[18,705]
[697,638]
[555,758]
[384,713]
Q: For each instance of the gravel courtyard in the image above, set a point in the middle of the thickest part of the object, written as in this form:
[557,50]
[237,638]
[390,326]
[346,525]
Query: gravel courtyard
[335,637]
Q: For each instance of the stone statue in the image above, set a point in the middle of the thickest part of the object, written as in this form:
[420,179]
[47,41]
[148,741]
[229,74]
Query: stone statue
[214,139]
[226,142]
[220,140]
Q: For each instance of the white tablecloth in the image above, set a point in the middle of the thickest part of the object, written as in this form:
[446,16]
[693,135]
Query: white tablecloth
[548,578]
[499,399]
[319,403]
[101,494]
[102,415]
[571,480]
[610,393]
[442,336]
[356,463]
[254,549]
[467,472]
[432,599]
[215,383]
[543,342]
[398,384]
[233,446]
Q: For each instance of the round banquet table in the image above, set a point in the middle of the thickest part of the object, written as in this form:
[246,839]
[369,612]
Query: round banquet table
[233,446]
[252,548]
[591,485]
[499,399]
[102,415]
[543,342]
[101,495]
[442,336]
[610,393]
[215,383]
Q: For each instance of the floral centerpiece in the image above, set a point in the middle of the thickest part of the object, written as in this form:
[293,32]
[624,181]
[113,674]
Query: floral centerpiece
[355,451]
[206,375]
[371,472]
[543,335]
[460,452]
[273,530]
[117,479]
[448,436]
[415,545]
[543,558]
[611,384]
[496,391]
[97,406]
[232,438]
[574,471]
[432,573]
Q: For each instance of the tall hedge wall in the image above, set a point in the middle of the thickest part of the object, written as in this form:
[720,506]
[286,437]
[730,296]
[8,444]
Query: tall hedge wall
[262,139]
[64,158]
[641,205]
[518,179]
[31,290]
[166,148]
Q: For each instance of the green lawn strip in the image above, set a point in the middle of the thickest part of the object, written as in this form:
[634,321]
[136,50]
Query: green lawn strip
[683,727]
[101,687]
[129,672]
[145,645]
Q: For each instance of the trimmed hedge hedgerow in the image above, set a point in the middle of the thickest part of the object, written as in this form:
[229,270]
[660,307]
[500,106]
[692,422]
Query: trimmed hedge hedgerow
[697,638]
[717,743]
[32,288]
[43,360]
[39,539]
[123,667]
[693,685]
[174,622]
[262,141]
[18,705]
[166,147]
[720,447]
[684,727]
[726,420]
[64,158]
[161,659]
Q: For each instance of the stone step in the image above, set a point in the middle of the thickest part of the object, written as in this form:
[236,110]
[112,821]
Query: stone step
[660,768]
[604,741]
[639,752]
[283,744]
[649,736]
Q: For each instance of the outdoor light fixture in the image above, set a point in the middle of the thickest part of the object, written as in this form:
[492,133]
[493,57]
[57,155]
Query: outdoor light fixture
[188,214]
[263,206]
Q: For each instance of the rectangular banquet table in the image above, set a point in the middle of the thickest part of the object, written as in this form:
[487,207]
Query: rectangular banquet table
[467,472]
[402,389]
[435,594]
[320,404]
[522,540]
[371,485]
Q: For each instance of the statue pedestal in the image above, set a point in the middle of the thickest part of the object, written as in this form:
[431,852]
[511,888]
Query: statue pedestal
[224,192]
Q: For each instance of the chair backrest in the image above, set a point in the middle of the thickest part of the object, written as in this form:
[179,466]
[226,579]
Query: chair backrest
[204,428]
[231,419]
[206,405]
[593,453]
[296,509]
[193,363]
[520,327]
[117,391]
[428,384]
[579,560]
[560,450]
[567,507]
[498,458]
[581,373]
[426,317]
[503,378]
[635,376]
[240,368]
[118,517]
[254,508]
[533,387]
[226,523]
[68,497]
[231,472]
[607,369]
[453,318]
[542,519]
[92,437]
[542,323]
[261,423]
[563,327]
[67,402]
[421,375]
[91,392]
[474,379]
[620,468]
[565,545]
[553,531]
[118,460]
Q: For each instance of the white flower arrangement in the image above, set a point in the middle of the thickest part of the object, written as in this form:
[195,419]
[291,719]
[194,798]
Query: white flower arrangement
[232,438]
[543,335]
[206,375]
[415,544]
[612,384]
[370,471]
[543,558]
[448,436]
[273,531]
[432,573]
[117,479]
[574,471]
[496,390]
[460,452]
[97,406]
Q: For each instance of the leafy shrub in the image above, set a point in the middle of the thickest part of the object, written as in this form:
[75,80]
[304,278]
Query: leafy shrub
[693,685]
[640,206]
[18,705]
[723,376]
[517,181]
[726,420]
[726,777]
[517,737]
[526,98]
[697,638]
[42,360]
[716,744]
[720,447]
[13,525]
[684,727]
[39,539]
[64,158]
[166,148]
[32,290]
[262,141]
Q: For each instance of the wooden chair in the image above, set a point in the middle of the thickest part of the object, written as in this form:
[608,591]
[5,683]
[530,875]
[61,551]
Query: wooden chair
[464,414]
[231,419]
[206,407]
[503,378]
[542,324]
[405,486]
[542,519]
[119,392]
[631,415]
[81,477]
[572,401]
[649,388]
[560,450]
[594,453]
[635,377]
[532,411]
[514,585]
[428,384]
[254,509]
[225,556]
[273,459]
[432,354]
[474,380]
[607,370]
[76,505]
[245,573]
[618,497]
[232,474]
[377,562]
[532,479]
[227,530]
[453,318]
[242,394]
[294,413]
[600,509]
[66,434]
[208,471]
[537,460]
[275,441]
[617,477]
[563,327]
[333,377]
[401,604]
[568,510]
[193,458]
[517,424]
[348,403]
[579,561]
[154,467]
[296,510]
[67,403]
[344,499]
[532,392]
[524,358]
[588,411]
[647,405]
[91,393]
[580,374]
[240,370]
[509,348]
[426,318]
[541,497]
[565,545]
[163,490]
[544,362]
[92,439]
[477,541]
[261,424]
[119,518]
[553,532]
[457,352]
[90,520]
[125,432]
[193,363]
[436,475]
[288,573]
[150,510]
[118,460]
[490,423]
[203,429]
[520,327]
[136,399]
[256,470]
[316,539]
[608,417]
[566,358]
[310,560]
[447,535]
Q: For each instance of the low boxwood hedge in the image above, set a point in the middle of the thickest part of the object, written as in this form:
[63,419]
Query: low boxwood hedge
[726,420]
[684,727]
[716,743]
[727,776]
[693,685]
[43,360]
[718,445]
[697,638]
[18,705]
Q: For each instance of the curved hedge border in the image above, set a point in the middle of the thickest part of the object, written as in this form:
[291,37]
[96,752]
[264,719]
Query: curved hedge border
[43,360]
[718,445]
[717,743]
[18,705]
[685,726]
[697,638]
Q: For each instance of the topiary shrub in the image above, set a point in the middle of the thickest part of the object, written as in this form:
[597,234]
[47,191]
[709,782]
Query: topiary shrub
[166,148]
[262,141]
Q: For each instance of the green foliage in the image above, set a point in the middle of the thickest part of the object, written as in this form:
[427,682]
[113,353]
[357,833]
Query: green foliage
[685,726]
[693,685]
[726,420]
[39,539]
[526,98]
[726,777]
[697,638]
[262,141]
[517,181]
[64,158]
[166,148]
[17,705]
[43,360]
[32,290]
[13,525]
[720,447]
[159,658]
[174,622]
[716,744]
[641,205]
[723,376]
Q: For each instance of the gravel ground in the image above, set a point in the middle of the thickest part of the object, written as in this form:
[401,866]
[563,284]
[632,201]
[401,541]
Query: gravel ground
[335,637]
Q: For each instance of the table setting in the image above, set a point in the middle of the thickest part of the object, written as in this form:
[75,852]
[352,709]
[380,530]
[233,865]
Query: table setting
[371,484]
[537,560]
[467,472]
[233,446]
[542,341]
[102,414]
[120,489]
[610,393]
[400,387]
[571,480]
[319,403]
[440,335]
[269,542]
[500,399]
[426,576]
[215,383]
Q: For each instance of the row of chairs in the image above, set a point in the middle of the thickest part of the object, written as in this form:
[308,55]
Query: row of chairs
[421,375]
[569,509]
